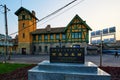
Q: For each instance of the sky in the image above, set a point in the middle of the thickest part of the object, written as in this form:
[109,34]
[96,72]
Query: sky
[98,14]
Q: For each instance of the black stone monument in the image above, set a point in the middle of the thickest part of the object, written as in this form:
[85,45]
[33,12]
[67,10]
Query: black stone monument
[67,55]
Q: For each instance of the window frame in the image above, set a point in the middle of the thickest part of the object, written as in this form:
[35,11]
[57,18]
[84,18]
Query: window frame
[76,35]
[23,17]
[51,36]
[57,36]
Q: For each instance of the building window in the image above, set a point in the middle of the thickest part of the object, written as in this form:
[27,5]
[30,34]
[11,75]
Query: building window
[51,36]
[29,17]
[57,46]
[75,27]
[45,37]
[46,49]
[40,48]
[23,17]
[63,36]
[57,36]
[23,25]
[23,35]
[34,37]
[39,37]
[76,35]
[34,48]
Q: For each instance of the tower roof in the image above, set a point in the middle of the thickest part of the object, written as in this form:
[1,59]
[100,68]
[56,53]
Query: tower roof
[24,9]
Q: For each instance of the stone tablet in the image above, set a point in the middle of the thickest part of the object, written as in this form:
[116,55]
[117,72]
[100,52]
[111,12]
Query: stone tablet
[67,55]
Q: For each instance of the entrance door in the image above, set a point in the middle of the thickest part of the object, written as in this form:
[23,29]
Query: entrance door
[46,49]
[23,50]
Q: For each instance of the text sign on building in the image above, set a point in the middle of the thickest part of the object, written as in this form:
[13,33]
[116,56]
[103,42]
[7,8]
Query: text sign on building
[98,32]
[112,29]
[105,31]
[67,55]
[92,33]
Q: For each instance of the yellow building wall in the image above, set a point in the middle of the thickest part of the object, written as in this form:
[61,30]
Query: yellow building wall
[48,40]
[30,26]
[25,26]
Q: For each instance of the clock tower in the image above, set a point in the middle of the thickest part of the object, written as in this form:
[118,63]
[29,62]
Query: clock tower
[26,25]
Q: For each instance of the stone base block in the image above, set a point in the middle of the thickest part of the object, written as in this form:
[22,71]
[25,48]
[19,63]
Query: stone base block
[67,71]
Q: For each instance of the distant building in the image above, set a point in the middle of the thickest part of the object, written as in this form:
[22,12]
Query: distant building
[3,43]
[38,41]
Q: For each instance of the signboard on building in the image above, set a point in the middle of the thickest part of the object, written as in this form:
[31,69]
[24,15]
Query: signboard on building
[112,40]
[67,55]
[93,33]
[98,41]
[106,41]
[112,29]
[98,32]
[94,41]
[105,31]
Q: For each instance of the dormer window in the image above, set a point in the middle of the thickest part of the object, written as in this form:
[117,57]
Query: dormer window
[23,17]
[29,17]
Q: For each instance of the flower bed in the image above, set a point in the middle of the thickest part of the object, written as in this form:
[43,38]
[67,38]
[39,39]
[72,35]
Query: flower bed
[113,71]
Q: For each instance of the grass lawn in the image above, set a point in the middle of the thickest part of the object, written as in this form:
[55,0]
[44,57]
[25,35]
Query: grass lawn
[9,67]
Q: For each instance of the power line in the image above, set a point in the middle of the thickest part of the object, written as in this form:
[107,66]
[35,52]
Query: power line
[62,12]
[1,8]
[46,16]
[57,10]
[49,15]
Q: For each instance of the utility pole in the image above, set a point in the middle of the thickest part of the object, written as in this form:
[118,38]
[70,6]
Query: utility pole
[101,49]
[6,32]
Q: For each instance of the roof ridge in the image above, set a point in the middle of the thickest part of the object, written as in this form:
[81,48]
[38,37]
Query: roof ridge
[52,27]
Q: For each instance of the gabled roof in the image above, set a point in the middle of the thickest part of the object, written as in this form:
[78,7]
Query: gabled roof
[81,21]
[24,9]
[53,30]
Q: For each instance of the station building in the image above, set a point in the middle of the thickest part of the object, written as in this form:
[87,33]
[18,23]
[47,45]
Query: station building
[38,41]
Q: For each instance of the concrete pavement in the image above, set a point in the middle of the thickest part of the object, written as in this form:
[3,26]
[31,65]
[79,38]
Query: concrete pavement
[107,60]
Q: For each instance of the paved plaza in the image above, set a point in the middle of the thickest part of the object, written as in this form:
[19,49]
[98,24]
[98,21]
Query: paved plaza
[107,60]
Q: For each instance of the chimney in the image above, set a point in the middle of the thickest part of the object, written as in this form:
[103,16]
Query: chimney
[33,12]
[84,21]
[48,28]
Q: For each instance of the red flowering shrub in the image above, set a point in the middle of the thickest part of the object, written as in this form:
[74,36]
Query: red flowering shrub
[113,71]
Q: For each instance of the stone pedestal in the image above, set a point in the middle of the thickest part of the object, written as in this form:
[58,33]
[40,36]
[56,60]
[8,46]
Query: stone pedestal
[67,71]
